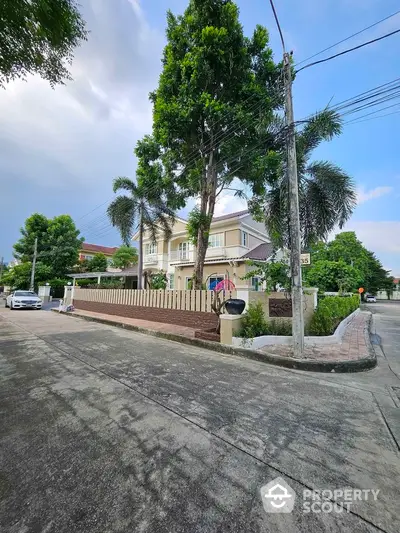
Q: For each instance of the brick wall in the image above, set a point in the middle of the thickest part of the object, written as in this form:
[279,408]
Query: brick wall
[192,319]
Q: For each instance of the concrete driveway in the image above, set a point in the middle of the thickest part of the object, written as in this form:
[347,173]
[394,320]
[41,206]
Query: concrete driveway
[105,430]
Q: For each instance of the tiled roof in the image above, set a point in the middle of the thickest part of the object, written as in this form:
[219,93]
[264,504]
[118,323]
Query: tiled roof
[231,215]
[97,249]
[262,252]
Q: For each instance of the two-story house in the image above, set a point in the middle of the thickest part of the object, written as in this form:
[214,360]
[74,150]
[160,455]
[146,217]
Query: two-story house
[233,239]
[88,251]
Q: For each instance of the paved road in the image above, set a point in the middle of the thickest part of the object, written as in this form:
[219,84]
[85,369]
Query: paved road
[105,430]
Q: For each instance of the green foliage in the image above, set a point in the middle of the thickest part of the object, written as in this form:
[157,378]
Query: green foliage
[195,221]
[58,243]
[332,276]
[213,77]
[345,264]
[330,312]
[85,282]
[158,280]
[98,263]
[253,323]
[82,266]
[327,194]
[38,37]
[125,257]
[19,276]
[143,209]
[56,283]
[271,273]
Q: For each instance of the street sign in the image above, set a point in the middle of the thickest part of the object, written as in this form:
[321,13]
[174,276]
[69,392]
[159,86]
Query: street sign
[305,259]
[361,290]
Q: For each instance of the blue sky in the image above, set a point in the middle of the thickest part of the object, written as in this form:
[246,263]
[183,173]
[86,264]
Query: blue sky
[60,149]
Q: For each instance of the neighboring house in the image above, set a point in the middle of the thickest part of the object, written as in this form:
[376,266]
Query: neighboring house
[233,239]
[88,251]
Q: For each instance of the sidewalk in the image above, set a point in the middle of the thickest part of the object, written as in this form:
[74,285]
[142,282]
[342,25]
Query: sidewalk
[355,344]
[145,324]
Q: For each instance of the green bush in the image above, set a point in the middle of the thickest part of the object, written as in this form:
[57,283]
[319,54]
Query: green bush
[330,312]
[255,324]
[85,282]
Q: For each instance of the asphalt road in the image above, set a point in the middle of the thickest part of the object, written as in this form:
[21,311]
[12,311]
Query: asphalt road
[104,430]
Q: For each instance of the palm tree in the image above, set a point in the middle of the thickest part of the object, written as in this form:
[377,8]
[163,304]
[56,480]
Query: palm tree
[141,210]
[327,195]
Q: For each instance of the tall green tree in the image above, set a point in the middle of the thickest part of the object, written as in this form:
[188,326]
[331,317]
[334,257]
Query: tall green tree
[140,210]
[98,263]
[58,242]
[345,262]
[214,110]
[125,257]
[39,37]
[327,195]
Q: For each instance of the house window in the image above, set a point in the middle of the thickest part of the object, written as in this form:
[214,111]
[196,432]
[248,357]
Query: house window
[183,248]
[214,280]
[171,281]
[255,283]
[245,239]
[87,257]
[216,240]
[151,248]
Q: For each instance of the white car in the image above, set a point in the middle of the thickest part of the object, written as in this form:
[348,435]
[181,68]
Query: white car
[370,299]
[23,300]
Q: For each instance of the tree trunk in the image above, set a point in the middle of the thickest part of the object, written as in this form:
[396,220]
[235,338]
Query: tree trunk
[140,262]
[207,205]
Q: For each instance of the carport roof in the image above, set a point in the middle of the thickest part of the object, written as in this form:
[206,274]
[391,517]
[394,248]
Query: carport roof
[133,271]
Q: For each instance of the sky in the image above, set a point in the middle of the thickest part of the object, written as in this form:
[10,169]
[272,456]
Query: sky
[61,148]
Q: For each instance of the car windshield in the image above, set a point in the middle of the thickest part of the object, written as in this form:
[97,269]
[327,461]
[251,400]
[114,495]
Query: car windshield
[24,293]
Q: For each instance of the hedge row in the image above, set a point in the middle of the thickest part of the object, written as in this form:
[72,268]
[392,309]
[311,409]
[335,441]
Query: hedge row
[330,312]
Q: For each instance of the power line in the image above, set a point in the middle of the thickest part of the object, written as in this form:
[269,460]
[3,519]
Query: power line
[372,113]
[372,118]
[348,50]
[347,38]
[279,26]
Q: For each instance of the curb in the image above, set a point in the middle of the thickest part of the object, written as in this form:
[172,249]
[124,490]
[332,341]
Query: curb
[358,365]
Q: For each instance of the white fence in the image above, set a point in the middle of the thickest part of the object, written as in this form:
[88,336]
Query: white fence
[183,300]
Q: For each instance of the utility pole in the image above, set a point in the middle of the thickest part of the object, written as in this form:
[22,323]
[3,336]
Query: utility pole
[294,218]
[32,287]
[1,267]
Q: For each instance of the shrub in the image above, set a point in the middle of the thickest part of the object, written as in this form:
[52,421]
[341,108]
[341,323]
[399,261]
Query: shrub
[330,312]
[279,327]
[253,323]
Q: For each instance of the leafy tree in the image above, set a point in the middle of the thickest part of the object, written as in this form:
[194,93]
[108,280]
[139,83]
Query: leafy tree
[213,111]
[98,263]
[332,276]
[19,276]
[125,257]
[58,243]
[82,266]
[141,210]
[327,194]
[38,37]
[158,280]
[273,274]
[330,258]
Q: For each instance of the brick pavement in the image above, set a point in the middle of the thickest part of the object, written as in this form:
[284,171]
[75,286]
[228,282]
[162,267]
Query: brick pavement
[355,344]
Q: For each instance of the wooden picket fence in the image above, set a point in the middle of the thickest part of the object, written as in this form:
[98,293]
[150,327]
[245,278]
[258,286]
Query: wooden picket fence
[184,300]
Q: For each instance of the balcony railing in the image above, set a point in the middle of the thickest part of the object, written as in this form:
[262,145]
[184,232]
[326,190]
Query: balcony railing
[190,255]
[150,259]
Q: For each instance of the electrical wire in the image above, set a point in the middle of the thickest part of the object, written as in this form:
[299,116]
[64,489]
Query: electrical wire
[348,38]
[349,50]
[372,118]
[279,26]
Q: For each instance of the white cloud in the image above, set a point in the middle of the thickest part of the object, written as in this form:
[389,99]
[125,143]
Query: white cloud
[364,196]
[377,236]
